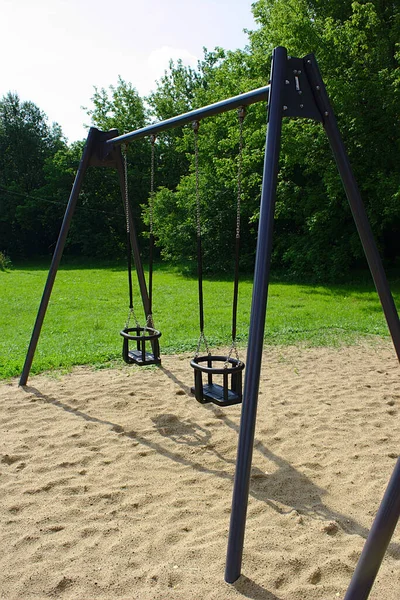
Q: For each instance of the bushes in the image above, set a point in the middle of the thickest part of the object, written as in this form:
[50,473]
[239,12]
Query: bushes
[5,262]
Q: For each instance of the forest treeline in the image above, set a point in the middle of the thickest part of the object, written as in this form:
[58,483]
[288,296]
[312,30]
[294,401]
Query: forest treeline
[357,45]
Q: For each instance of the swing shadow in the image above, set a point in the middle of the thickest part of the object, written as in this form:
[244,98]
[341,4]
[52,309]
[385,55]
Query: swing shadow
[245,586]
[286,486]
[181,432]
[175,379]
[130,434]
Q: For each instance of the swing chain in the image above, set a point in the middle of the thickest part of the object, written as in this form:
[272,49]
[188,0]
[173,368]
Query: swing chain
[203,339]
[196,126]
[131,312]
[233,348]
[149,322]
[151,203]
[124,153]
[241,116]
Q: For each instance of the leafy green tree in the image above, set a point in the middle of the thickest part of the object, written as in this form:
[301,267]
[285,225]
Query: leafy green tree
[356,44]
[26,142]
[357,47]
[221,74]
[97,227]
[119,107]
[176,93]
[358,50]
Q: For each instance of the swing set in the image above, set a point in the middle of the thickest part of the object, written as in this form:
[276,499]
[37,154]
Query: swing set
[230,367]
[141,335]
[296,90]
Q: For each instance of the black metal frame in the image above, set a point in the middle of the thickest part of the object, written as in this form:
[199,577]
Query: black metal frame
[296,90]
[289,79]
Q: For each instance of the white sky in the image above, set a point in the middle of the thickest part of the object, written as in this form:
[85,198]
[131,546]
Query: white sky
[54,51]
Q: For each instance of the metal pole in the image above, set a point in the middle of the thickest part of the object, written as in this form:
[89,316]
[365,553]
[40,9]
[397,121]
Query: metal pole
[377,541]
[355,201]
[86,155]
[134,240]
[194,115]
[257,321]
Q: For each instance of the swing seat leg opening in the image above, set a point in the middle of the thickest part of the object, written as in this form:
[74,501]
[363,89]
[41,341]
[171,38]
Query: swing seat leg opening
[226,394]
[140,355]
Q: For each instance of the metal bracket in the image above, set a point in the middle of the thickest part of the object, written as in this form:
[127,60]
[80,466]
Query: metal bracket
[104,155]
[298,98]
[318,88]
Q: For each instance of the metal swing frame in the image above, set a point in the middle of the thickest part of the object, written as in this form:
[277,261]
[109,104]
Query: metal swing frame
[296,89]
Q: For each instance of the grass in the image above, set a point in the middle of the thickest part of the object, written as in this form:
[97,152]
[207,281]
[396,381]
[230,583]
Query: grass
[89,306]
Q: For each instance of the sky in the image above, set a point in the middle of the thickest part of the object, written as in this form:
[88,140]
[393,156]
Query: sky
[53,52]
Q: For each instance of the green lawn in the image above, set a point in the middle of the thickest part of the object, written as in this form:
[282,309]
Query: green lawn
[89,306]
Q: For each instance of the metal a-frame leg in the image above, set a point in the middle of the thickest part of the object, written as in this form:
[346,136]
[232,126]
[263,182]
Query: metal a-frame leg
[76,188]
[354,198]
[92,155]
[257,321]
[133,236]
[377,541]
[389,511]
[302,94]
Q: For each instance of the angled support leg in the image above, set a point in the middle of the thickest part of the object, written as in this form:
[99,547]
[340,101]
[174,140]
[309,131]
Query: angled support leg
[355,201]
[133,236]
[135,249]
[257,320]
[83,165]
[301,97]
[389,511]
[377,541]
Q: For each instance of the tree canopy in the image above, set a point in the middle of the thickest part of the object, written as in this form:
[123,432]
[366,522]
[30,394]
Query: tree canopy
[357,45]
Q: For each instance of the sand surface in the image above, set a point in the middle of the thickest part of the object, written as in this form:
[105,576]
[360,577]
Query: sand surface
[116,483]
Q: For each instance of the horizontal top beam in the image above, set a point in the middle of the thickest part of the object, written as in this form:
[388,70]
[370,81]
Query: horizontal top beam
[194,115]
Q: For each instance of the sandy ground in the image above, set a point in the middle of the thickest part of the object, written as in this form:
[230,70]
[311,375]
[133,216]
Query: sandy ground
[117,484]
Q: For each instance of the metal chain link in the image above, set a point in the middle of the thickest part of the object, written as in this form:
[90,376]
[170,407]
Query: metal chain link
[149,322]
[233,348]
[131,312]
[195,126]
[203,339]
[151,202]
[241,116]
[124,154]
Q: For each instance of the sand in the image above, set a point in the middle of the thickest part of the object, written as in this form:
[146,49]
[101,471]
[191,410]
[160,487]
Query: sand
[116,483]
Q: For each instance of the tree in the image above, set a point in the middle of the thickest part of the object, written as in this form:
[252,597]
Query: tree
[356,44]
[176,93]
[220,74]
[357,47]
[120,107]
[26,142]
